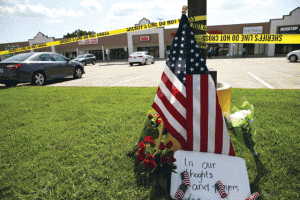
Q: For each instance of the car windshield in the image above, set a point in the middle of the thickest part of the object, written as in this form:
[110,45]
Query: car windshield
[81,56]
[19,57]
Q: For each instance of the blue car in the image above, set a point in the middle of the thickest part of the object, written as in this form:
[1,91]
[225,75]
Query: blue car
[38,68]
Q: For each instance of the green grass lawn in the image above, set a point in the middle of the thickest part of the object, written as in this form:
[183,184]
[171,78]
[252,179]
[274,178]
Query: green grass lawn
[71,143]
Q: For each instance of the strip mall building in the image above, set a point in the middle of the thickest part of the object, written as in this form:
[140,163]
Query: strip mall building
[158,41]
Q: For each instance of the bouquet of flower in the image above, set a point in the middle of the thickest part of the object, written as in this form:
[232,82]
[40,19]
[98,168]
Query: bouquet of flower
[155,161]
[156,121]
[240,122]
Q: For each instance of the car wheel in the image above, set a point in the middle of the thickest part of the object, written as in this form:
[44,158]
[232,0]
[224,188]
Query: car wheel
[84,63]
[39,78]
[130,64]
[145,62]
[11,84]
[153,61]
[77,73]
[94,62]
[293,58]
[140,63]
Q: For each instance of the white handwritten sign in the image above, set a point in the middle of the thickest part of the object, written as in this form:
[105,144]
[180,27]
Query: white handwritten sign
[205,169]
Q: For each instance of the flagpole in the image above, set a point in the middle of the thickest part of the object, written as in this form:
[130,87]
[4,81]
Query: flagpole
[198,8]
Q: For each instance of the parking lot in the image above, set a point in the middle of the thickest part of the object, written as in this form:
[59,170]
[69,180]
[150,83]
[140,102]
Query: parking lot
[273,73]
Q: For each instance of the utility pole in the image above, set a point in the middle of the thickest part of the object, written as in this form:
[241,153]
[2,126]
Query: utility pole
[198,8]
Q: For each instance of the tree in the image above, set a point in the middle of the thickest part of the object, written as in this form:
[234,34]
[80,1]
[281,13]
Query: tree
[79,33]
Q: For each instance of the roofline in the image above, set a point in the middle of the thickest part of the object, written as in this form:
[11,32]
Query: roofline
[285,15]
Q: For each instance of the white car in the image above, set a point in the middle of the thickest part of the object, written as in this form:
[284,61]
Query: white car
[140,57]
[293,56]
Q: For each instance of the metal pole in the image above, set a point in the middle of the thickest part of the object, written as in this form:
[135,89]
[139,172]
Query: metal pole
[198,8]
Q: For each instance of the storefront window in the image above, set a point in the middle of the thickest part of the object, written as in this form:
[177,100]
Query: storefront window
[286,48]
[118,53]
[97,53]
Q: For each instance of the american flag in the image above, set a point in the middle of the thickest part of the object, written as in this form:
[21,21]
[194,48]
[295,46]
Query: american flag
[254,196]
[185,178]
[181,191]
[221,188]
[187,100]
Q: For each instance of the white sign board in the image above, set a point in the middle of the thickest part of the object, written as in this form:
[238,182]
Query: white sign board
[88,41]
[253,30]
[205,169]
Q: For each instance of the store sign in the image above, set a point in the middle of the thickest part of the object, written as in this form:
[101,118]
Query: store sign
[289,30]
[88,41]
[253,30]
[214,32]
[144,38]
[10,47]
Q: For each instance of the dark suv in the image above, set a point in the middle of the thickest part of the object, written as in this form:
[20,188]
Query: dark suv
[86,59]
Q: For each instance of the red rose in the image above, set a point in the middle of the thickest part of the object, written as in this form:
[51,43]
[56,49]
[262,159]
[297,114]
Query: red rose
[141,152]
[150,116]
[147,139]
[161,146]
[163,159]
[152,143]
[140,158]
[142,145]
[159,121]
[169,144]
[146,163]
[152,164]
[150,157]
[172,159]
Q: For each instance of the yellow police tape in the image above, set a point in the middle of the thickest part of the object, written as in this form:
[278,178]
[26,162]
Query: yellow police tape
[110,33]
[249,38]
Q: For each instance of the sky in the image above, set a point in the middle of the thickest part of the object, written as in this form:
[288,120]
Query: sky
[21,20]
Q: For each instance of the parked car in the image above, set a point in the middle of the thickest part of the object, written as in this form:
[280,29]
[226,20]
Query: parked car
[293,56]
[37,68]
[86,59]
[140,57]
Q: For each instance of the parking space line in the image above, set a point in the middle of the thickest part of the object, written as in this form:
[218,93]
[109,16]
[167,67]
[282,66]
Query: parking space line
[266,84]
[127,80]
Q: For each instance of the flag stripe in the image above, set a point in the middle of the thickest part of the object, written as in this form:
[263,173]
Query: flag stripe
[196,113]
[189,108]
[171,108]
[204,112]
[219,129]
[173,131]
[167,83]
[231,151]
[211,115]
[173,95]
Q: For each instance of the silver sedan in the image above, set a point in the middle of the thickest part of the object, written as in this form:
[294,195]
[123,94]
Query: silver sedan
[140,57]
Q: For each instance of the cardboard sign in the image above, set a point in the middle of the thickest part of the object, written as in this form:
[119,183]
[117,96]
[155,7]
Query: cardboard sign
[205,169]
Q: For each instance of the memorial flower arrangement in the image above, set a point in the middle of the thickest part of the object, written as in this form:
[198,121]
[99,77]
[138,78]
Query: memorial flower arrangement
[240,122]
[152,155]
[157,161]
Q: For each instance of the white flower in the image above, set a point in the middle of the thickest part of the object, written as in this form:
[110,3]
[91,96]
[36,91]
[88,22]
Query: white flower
[238,116]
